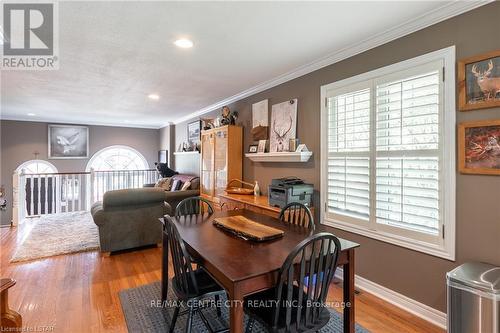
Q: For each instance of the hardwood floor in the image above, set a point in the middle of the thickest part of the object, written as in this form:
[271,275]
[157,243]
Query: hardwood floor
[79,292]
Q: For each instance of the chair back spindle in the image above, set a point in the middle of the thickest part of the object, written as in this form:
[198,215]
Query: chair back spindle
[184,276]
[193,206]
[303,281]
[298,214]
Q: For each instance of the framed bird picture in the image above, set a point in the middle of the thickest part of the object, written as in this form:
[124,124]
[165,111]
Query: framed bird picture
[67,141]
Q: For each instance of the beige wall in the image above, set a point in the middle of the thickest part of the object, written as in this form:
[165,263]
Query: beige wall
[20,139]
[416,275]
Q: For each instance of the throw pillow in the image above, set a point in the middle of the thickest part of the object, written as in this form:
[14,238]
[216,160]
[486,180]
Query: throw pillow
[186,186]
[164,183]
[176,185]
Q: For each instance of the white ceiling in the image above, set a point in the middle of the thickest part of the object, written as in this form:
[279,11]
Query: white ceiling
[113,54]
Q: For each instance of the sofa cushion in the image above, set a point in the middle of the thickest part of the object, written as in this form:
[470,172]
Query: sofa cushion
[164,183]
[176,185]
[132,197]
[185,186]
[195,180]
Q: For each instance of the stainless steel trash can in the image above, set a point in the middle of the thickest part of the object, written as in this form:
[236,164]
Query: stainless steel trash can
[474,299]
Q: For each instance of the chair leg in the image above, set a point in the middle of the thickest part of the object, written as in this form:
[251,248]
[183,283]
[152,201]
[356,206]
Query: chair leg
[189,322]
[250,325]
[174,319]
[217,307]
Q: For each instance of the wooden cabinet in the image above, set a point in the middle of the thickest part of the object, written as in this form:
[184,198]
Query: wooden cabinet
[221,160]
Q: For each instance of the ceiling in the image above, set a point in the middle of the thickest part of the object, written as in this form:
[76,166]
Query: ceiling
[114,54]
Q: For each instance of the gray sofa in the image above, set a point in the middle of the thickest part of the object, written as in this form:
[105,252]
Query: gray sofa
[128,218]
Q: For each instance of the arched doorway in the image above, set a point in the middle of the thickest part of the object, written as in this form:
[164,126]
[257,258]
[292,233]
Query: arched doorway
[38,187]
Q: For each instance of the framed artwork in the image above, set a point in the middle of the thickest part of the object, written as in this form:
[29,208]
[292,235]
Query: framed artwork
[194,131]
[163,156]
[260,120]
[261,148]
[479,82]
[68,142]
[253,148]
[479,147]
[283,125]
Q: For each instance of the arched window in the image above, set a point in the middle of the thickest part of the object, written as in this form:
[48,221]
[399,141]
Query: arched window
[117,158]
[37,167]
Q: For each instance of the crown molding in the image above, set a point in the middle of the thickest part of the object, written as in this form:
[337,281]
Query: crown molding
[440,14]
[84,123]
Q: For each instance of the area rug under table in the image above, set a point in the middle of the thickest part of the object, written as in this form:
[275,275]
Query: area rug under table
[57,234]
[144,313]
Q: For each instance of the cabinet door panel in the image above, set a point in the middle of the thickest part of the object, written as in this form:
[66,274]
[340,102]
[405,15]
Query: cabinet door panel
[220,161]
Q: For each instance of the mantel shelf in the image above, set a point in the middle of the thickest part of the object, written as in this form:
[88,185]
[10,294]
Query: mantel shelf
[186,152]
[303,156]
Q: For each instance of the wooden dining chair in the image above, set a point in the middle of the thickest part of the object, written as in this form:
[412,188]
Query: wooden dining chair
[194,206]
[298,299]
[190,286]
[297,213]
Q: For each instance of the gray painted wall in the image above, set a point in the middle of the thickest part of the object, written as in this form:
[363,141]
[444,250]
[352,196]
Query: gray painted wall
[414,274]
[20,139]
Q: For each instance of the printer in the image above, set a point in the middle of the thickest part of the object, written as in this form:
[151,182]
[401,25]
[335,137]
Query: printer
[282,191]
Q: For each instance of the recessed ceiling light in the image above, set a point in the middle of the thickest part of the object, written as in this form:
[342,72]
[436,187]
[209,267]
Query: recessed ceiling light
[31,114]
[154,96]
[184,43]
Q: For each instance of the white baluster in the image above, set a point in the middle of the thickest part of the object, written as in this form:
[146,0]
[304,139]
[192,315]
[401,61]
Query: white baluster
[46,203]
[79,190]
[32,197]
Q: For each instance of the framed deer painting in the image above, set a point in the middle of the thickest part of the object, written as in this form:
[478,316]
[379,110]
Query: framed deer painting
[479,81]
[479,147]
[283,125]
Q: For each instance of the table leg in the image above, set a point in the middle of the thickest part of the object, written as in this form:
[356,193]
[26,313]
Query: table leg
[348,290]
[236,313]
[164,268]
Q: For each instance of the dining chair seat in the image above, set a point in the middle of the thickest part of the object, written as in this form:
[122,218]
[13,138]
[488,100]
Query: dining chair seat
[261,307]
[206,286]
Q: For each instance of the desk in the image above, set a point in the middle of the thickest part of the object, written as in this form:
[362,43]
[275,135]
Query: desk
[259,204]
[243,267]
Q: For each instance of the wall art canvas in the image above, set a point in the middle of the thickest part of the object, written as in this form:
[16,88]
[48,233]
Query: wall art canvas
[67,142]
[283,125]
[479,147]
[260,120]
[479,81]
[194,131]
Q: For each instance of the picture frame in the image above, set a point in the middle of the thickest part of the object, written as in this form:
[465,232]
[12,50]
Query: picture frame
[479,81]
[194,131]
[262,146]
[253,149]
[68,142]
[479,147]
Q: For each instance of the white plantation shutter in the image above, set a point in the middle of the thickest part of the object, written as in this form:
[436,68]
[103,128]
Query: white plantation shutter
[348,154]
[388,153]
[407,144]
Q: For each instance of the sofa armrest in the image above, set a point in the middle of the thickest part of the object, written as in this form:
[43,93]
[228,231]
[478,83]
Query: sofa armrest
[180,195]
[168,209]
[97,213]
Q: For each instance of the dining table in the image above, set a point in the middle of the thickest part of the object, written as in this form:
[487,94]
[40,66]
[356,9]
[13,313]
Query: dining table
[243,267]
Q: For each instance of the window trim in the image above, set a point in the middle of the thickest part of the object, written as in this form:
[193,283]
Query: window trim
[446,247]
[96,154]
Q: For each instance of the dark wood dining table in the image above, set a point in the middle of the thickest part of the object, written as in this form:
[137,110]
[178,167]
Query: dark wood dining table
[244,267]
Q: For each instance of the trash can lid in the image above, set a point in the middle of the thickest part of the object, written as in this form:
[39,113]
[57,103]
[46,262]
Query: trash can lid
[477,275]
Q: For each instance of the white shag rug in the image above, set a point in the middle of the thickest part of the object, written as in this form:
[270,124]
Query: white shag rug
[57,234]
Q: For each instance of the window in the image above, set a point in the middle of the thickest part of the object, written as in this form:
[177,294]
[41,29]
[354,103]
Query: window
[34,167]
[117,158]
[388,154]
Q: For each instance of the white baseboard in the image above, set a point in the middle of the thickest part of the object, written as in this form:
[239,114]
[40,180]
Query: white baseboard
[412,306]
